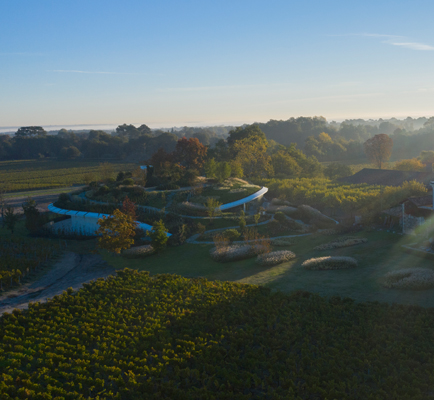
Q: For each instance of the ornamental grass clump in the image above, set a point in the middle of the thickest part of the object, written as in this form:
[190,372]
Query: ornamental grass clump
[410,278]
[236,252]
[275,257]
[324,263]
[138,252]
[341,243]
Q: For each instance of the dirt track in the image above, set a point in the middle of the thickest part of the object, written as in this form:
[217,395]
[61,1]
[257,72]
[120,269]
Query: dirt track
[42,202]
[72,270]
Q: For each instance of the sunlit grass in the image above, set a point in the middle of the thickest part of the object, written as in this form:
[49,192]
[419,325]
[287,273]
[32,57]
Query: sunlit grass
[382,253]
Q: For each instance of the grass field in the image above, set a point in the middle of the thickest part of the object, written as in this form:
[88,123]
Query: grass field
[380,255]
[225,195]
[25,175]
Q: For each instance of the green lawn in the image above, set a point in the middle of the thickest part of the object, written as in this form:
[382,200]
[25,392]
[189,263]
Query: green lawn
[224,195]
[22,175]
[380,255]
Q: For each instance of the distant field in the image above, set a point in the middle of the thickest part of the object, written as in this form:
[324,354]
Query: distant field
[25,175]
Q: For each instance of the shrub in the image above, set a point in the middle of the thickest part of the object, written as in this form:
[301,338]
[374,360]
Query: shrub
[121,176]
[63,197]
[410,278]
[231,234]
[111,180]
[330,263]
[138,252]
[275,257]
[340,243]
[128,182]
[280,216]
[102,190]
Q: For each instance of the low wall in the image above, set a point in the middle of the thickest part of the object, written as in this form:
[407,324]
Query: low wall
[87,222]
[255,196]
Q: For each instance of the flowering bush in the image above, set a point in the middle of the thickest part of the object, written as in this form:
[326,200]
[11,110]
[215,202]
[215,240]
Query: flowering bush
[330,263]
[275,257]
[410,278]
[340,243]
[138,252]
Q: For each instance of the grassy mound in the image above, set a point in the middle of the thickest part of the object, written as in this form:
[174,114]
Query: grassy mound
[168,337]
[275,257]
[313,216]
[410,278]
[341,243]
[330,263]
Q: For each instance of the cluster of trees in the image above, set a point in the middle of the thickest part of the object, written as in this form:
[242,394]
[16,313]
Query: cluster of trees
[182,165]
[327,141]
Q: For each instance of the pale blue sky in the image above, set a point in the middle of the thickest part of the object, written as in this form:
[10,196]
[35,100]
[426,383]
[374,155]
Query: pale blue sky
[167,63]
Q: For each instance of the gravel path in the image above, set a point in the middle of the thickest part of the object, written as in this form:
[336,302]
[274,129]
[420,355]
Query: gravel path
[72,270]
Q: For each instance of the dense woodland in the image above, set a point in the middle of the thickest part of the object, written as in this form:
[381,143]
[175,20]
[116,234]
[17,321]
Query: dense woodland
[327,141]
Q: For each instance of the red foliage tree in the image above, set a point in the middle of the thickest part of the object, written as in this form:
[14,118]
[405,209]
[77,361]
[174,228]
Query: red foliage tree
[160,157]
[129,208]
[190,153]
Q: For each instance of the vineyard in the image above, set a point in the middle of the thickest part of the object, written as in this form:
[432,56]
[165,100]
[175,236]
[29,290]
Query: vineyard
[134,336]
[325,194]
[20,257]
[44,174]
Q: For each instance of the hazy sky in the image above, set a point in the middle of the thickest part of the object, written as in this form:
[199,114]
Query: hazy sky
[205,62]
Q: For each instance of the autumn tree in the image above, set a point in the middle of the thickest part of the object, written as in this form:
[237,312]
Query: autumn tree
[190,153]
[116,232]
[129,208]
[158,236]
[378,149]
[160,158]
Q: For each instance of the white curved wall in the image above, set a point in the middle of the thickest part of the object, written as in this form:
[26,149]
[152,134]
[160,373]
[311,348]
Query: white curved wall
[87,222]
